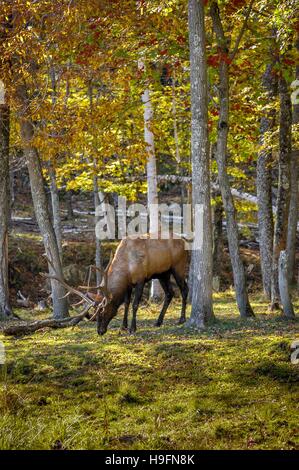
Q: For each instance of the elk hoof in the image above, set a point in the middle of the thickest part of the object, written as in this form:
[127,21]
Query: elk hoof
[124,327]
[181,321]
[158,323]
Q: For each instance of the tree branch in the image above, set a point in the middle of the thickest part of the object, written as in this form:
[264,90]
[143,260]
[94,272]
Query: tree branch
[242,31]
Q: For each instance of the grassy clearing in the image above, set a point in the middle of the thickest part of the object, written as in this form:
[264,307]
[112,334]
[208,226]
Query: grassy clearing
[230,387]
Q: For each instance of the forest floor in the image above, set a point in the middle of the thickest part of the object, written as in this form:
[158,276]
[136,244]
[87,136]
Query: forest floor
[232,386]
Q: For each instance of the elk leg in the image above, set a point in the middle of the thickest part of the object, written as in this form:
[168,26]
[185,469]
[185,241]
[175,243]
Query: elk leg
[137,297]
[127,305]
[183,286]
[166,285]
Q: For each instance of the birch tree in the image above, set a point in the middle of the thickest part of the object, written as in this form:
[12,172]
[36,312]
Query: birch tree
[152,183]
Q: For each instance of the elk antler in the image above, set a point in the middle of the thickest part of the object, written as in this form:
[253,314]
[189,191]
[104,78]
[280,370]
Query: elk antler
[104,274]
[70,289]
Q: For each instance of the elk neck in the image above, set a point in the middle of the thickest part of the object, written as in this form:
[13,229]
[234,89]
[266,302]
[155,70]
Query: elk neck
[117,284]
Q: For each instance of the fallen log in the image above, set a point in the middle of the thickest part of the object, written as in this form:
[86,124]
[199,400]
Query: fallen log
[26,328]
[88,299]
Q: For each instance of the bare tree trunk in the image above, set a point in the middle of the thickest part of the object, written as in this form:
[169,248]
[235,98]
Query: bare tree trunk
[294,198]
[284,178]
[97,203]
[60,304]
[55,203]
[152,185]
[5,307]
[202,303]
[12,196]
[217,241]
[221,158]
[284,285]
[264,187]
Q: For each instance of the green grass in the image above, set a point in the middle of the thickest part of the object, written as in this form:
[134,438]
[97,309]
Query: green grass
[230,387]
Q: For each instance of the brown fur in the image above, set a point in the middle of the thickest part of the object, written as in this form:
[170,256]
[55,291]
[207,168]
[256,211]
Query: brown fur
[136,261]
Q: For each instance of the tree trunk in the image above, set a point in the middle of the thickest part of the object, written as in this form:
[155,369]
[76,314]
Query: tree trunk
[285,297]
[294,198]
[202,304]
[284,178]
[152,186]
[217,241]
[55,203]
[264,187]
[221,158]
[69,204]
[5,307]
[97,203]
[60,304]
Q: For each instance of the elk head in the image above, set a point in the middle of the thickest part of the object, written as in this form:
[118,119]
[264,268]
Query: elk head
[102,297]
[98,301]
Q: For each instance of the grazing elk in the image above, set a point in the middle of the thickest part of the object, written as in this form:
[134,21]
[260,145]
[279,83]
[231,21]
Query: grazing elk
[138,260]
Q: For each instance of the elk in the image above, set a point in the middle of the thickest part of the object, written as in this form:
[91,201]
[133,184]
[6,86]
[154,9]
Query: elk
[138,260]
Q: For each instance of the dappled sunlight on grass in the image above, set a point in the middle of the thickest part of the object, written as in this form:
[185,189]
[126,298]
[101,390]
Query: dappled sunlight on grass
[231,386]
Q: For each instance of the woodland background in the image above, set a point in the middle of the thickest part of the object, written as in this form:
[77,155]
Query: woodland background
[97,101]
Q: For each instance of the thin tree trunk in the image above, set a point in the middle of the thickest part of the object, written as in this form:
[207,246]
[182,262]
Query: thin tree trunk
[69,204]
[60,304]
[175,121]
[283,283]
[97,203]
[217,241]
[202,304]
[264,187]
[96,198]
[55,203]
[5,307]
[221,158]
[12,196]
[284,178]
[152,186]
[294,198]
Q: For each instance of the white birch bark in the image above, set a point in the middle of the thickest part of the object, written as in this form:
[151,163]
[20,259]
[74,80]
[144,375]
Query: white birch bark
[152,185]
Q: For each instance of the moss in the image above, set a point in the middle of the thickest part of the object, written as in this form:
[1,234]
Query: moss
[231,386]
